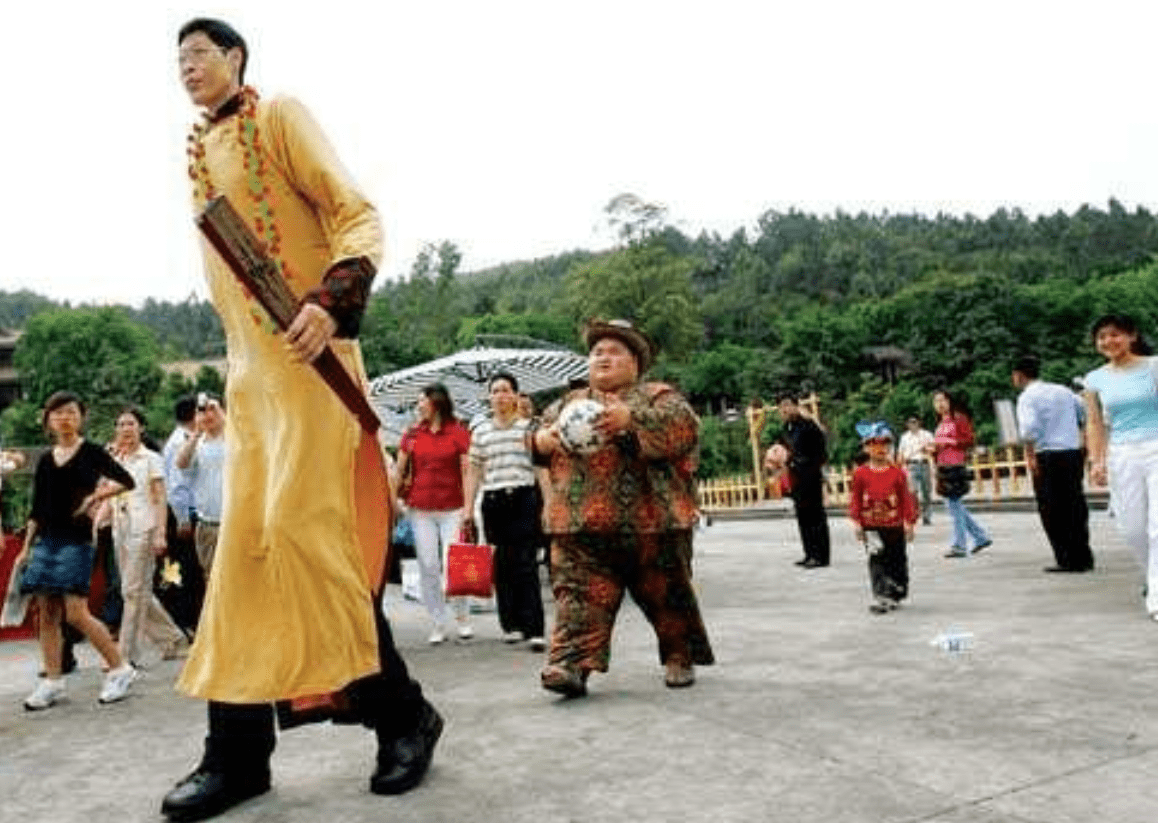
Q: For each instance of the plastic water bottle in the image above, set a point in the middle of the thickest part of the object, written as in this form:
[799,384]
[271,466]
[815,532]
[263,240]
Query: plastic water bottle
[953,641]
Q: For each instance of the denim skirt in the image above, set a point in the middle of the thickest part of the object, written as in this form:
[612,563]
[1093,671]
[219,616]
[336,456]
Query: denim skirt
[57,566]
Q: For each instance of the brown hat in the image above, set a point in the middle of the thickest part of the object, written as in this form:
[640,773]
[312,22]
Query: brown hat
[625,333]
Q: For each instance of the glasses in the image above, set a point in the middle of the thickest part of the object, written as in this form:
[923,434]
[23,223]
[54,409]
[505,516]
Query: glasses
[197,57]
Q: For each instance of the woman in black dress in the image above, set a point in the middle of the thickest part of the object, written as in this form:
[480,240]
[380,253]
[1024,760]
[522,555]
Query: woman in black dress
[72,479]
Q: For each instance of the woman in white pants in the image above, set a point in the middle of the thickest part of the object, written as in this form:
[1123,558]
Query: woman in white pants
[139,537]
[1122,436]
[432,464]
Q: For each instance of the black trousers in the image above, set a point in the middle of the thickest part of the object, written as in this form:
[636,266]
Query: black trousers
[811,518]
[241,735]
[1061,503]
[182,602]
[888,563]
[510,518]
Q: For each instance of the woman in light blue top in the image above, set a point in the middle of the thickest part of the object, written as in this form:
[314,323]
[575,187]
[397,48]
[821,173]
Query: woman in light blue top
[1122,406]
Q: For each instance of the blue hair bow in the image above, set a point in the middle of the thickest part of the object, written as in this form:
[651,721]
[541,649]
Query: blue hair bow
[869,430]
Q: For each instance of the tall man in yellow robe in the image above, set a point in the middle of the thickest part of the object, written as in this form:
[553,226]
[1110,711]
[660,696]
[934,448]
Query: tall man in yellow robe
[289,610]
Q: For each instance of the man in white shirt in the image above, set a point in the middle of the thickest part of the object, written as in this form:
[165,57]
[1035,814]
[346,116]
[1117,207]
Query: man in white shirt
[914,452]
[1049,421]
[177,488]
[202,458]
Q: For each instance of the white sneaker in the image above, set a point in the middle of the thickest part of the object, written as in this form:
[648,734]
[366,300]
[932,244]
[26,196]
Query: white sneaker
[537,644]
[45,694]
[117,684]
[465,632]
[437,636]
[512,637]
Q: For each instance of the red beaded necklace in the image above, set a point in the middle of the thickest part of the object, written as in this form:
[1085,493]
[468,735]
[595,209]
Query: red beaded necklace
[253,160]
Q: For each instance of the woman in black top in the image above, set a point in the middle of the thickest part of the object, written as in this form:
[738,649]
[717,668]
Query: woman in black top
[72,479]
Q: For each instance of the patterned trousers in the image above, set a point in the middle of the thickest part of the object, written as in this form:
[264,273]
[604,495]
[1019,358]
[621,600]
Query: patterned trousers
[591,572]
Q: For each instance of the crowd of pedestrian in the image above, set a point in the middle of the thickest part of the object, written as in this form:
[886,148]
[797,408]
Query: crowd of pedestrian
[511,457]
[1111,428]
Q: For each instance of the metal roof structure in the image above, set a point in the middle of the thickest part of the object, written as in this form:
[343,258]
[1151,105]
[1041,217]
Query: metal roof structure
[465,374]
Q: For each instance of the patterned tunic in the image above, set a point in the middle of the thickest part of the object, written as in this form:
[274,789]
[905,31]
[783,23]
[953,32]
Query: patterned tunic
[640,482]
[621,519]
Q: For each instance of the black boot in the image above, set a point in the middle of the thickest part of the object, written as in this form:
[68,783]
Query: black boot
[235,766]
[403,761]
[205,794]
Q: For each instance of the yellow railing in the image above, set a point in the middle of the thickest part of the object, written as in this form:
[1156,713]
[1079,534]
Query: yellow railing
[998,474]
[735,492]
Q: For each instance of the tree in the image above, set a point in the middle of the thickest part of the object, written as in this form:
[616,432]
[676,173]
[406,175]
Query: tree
[393,334]
[100,354]
[643,283]
[724,448]
[160,409]
[717,374]
[449,257]
[632,219]
[17,307]
[548,328]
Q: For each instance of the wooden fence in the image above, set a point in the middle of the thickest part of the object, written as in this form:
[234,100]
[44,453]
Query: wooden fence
[998,474]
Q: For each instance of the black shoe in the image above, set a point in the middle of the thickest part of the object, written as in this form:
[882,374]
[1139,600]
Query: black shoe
[402,763]
[812,563]
[801,562]
[1067,569]
[984,544]
[205,794]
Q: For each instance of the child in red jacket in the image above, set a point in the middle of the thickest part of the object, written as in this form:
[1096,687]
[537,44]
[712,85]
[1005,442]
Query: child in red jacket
[883,512]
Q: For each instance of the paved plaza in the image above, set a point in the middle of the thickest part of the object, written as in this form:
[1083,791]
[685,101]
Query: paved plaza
[817,711]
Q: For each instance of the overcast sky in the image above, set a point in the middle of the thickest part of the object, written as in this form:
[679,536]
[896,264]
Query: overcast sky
[506,127]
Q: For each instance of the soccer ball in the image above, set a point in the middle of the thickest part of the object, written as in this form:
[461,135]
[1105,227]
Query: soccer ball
[577,426]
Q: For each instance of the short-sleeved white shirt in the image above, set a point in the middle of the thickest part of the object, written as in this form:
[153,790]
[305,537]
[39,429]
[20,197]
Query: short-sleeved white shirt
[134,509]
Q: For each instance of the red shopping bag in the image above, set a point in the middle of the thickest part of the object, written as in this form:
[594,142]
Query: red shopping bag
[469,570]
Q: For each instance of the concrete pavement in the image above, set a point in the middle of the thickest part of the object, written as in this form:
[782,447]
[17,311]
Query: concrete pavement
[816,710]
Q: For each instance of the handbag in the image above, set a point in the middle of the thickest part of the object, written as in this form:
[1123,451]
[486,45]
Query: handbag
[952,481]
[469,570]
[15,607]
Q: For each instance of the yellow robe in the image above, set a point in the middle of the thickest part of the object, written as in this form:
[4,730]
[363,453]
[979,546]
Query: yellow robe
[288,608]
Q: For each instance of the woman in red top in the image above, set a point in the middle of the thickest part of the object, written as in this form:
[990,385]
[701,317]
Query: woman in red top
[951,444]
[436,448]
[883,512]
